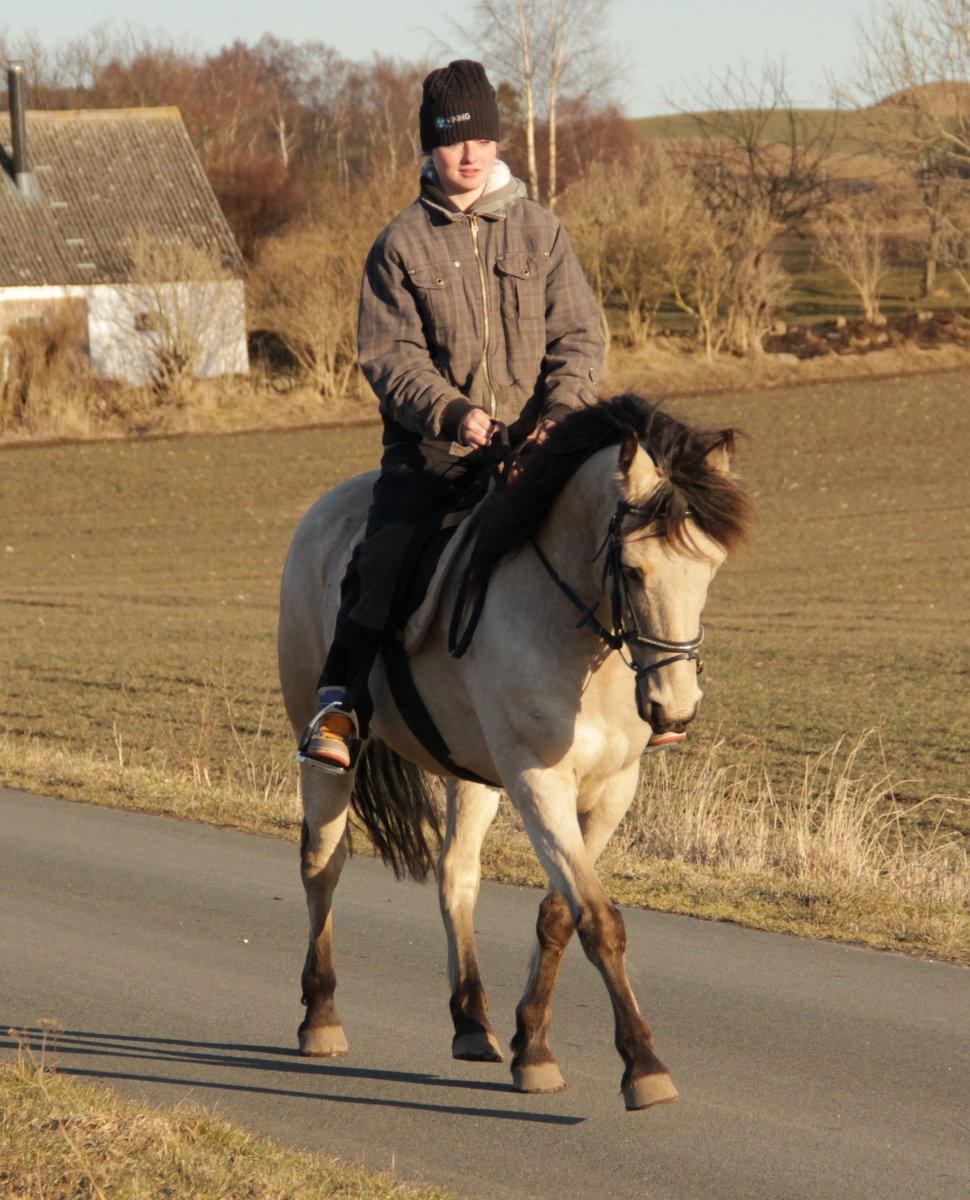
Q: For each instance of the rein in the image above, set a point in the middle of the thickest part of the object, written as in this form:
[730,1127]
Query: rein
[625,631]
[498,457]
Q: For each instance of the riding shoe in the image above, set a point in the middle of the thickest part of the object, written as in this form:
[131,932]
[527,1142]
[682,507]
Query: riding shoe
[329,738]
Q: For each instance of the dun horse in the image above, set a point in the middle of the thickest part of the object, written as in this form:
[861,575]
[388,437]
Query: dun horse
[625,513]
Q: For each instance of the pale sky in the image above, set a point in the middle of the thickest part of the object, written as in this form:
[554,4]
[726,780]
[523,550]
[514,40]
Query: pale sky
[669,47]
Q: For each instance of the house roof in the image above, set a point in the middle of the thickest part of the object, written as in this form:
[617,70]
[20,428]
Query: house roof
[106,177]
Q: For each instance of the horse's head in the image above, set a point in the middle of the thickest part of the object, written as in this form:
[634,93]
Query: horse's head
[679,512]
[663,494]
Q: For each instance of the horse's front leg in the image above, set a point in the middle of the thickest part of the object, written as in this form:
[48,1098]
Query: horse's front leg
[323,851]
[471,809]
[547,803]
[534,1066]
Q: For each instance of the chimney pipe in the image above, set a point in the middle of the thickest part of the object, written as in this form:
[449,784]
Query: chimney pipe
[23,177]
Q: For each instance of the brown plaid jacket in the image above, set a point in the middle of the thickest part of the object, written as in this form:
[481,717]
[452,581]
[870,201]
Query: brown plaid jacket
[486,309]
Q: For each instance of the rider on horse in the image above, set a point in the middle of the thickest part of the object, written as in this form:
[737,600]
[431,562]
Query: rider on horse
[473,310]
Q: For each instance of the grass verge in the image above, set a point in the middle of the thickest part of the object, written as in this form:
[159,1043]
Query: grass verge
[65,1140]
[831,857]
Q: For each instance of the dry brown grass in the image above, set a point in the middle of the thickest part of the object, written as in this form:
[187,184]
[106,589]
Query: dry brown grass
[828,856]
[838,827]
[64,1140]
[44,375]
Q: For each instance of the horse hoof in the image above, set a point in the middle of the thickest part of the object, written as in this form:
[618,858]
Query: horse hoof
[480,1046]
[648,1091]
[543,1077]
[323,1042]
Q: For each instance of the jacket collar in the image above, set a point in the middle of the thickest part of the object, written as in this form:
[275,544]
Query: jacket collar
[501,192]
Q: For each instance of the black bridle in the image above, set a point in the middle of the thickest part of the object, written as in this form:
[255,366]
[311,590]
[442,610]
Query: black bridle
[626,630]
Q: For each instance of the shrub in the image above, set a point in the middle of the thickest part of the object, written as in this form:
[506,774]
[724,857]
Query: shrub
[43,366]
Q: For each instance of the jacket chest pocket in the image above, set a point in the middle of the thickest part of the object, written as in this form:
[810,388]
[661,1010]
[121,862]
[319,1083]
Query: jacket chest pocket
[523,286]
[435,287]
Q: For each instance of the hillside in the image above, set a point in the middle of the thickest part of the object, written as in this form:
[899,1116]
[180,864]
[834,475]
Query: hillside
[848,126]
[946,98]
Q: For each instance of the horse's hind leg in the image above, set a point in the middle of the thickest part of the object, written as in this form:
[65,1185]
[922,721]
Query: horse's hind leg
[471,809]
[547,803]
[323,850]
[534,1066]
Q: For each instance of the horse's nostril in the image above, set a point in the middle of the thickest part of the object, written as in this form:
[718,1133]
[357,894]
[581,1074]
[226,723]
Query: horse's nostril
[659,722]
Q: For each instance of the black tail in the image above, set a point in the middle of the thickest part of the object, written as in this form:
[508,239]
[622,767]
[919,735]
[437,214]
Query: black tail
[397,804]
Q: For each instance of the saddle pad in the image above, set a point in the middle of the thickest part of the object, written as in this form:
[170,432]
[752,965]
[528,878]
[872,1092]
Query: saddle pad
[418,624]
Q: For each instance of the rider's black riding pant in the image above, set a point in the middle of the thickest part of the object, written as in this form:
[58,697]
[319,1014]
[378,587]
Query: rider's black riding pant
[416,481]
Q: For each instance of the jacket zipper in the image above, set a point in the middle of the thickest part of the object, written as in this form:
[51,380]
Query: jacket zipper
[473,222]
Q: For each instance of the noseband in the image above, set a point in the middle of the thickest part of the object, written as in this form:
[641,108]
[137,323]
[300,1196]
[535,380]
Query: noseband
[626,630]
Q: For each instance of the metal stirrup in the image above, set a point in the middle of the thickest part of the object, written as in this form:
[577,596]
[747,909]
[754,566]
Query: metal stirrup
[328,768]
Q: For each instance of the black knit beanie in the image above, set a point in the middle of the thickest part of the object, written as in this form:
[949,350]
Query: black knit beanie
[458,105]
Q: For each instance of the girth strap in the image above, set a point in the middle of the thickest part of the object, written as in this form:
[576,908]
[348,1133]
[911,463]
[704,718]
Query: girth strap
[416,716]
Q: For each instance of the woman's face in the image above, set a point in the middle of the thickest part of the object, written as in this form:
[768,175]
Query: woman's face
[465,166]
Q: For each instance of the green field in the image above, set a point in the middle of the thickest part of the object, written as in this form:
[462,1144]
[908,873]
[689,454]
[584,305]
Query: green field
[847,128]
[138,586]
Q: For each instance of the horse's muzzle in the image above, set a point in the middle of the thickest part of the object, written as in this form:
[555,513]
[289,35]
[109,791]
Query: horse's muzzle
[660,722]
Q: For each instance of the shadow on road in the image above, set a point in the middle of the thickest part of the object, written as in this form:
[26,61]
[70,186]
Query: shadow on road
[239,1057]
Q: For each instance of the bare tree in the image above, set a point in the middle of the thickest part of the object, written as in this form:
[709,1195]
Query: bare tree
[647,238]
[178,317]
[726,277]
[574,35]
[588,212]
[955,239]
[851,236]
[758,282]
[509,35]
[303,288]
[700,279]
[547,50]
[629,222]
[913,88]
[753,148]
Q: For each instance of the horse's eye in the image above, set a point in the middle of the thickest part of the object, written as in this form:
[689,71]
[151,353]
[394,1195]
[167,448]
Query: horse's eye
[634,574]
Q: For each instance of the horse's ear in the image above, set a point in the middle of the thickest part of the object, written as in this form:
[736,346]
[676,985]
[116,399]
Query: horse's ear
[637,475]
[719,459]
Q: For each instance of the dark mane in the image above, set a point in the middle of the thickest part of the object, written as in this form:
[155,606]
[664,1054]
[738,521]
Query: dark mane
[690,485]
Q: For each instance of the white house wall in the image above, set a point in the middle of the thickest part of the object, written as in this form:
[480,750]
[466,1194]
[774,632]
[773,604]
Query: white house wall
[214,314]
[211,314]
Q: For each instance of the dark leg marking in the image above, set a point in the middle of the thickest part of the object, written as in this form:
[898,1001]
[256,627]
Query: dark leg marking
[645,1079]
[534,1066]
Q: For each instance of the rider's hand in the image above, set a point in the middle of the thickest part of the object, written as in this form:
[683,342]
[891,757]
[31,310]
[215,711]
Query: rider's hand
[475,428]
[541,431]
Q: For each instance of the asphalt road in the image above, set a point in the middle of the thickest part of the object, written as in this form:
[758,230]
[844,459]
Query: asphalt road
[170,953]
